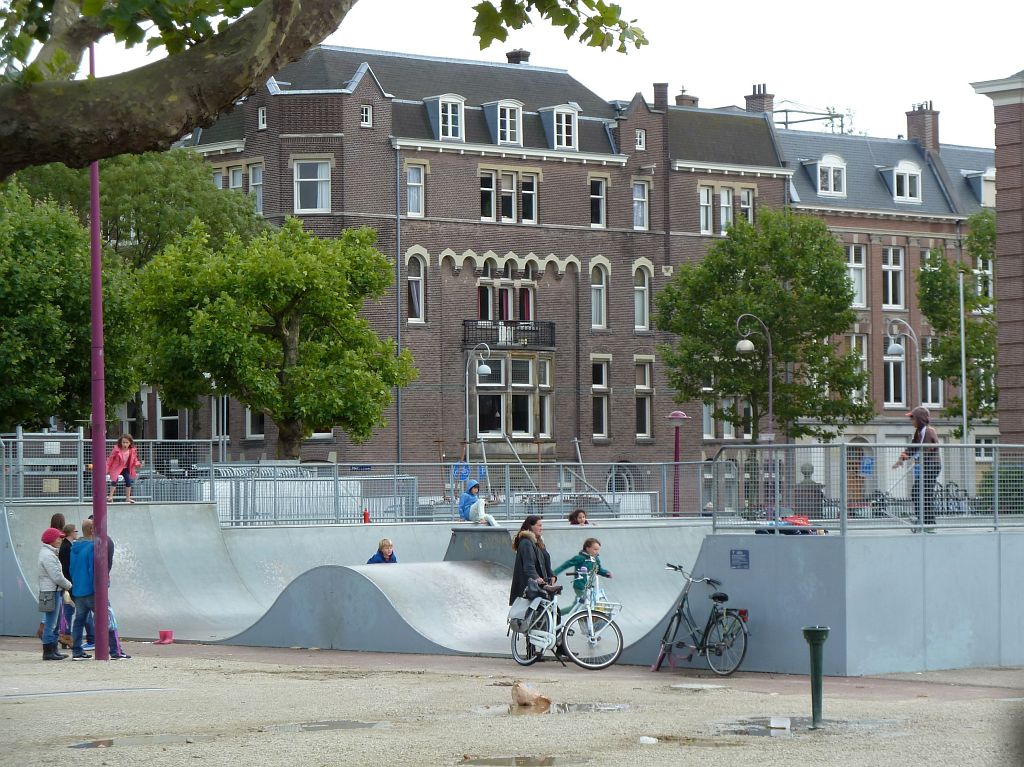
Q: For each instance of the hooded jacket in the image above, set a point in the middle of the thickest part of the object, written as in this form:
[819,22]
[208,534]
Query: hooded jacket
[467,499]
[82,567]
[532,562]
[50,575]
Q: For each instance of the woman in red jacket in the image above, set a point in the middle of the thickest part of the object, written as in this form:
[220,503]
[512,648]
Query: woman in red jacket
[122,464]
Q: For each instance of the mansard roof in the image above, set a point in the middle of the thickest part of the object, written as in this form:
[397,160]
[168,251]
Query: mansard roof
[413,78]
[960,163]
[864,157]
[721,138]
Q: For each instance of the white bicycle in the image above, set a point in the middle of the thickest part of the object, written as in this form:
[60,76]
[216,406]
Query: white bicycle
[588,633]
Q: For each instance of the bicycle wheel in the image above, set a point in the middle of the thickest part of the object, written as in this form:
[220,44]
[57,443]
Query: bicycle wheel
[667,640]
[726,644]
[523,651]
[592,651]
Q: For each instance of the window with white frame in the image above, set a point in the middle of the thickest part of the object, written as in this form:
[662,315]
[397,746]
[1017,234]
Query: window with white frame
[708,419]
[907,182]
[855,272]
[491,398]
[930,259]
[641,193]
[261,118]
[894,376]
[414,188]
[528,197]
[167,424]
[485,291]
[931,384]
[984,448]
[640,143]
[218,179]
[706,195]
[565,129]
[644,394]
[857,345]
[598,192]
[521,397]
[235,178]
[598,297]
[255,424]
[488,210]
[508,197]
[725,205]
[451,120]
[366,116]
[545,399]
[525,303]
[508,124]
[641,299]
[983,284]
[599,390]
[892,278]
[747,205]
[312,179]
[832,176]
[415,274]
[256,187]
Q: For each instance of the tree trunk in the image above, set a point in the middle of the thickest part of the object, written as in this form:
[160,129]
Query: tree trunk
[289,438]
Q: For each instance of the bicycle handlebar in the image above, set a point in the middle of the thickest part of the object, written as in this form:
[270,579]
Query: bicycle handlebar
[704,579]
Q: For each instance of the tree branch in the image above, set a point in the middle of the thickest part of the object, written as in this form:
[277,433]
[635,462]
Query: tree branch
[149,108]
[71,33]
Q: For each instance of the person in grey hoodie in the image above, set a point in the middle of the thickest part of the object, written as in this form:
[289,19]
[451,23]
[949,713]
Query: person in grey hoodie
[51,579]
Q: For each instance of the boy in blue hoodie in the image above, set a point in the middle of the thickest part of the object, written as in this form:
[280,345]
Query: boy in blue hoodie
[471,506]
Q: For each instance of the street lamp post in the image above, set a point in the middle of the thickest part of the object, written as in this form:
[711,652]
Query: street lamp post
[746,346]
[895,349]
[482,370]
[676,418]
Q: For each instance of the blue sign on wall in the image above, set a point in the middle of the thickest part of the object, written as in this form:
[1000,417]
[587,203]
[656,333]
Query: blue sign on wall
[739,559]
[867,466]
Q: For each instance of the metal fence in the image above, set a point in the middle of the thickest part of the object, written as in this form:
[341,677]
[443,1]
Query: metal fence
[833,486]
[867,486]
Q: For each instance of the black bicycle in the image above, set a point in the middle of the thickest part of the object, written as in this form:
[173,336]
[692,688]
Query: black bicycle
[724,638]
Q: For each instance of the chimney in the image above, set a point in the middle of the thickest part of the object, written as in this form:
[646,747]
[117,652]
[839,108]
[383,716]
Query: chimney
[685,100]
[760,100]
[923,126]
[518,56]
[661,95]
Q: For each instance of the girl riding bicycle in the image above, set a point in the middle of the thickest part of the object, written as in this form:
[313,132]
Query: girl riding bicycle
[587,558]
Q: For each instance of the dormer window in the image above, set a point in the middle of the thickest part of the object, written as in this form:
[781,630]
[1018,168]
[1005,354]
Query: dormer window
[565,129]
[832,176]
[450,117]
[906,184]
[510,123]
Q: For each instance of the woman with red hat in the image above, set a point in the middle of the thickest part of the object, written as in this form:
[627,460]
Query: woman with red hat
[51,578]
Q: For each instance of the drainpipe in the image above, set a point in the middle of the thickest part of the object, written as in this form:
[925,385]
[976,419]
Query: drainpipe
[398,298]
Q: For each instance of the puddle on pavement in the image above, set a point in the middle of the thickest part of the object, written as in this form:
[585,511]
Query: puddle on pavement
[522,761]
[163,740]
[801,725]
[554,708]
[334,724]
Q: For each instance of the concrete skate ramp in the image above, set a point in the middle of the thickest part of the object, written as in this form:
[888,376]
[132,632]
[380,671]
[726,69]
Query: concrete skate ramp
[436,607]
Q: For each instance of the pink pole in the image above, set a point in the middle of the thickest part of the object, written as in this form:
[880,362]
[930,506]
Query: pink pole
[99,412]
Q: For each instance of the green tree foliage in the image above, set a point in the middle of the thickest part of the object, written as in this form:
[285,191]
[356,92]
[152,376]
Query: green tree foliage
[275,323]
[45,343]
[788,270]
[938,290]
[148,200]
[220,50]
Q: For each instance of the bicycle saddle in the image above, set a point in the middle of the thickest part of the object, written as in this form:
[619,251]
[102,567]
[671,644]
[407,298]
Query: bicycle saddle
[553,591]
[719,596]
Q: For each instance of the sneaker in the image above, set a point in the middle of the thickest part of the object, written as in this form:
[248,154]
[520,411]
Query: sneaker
[89,646]
[122,656]
[81,656]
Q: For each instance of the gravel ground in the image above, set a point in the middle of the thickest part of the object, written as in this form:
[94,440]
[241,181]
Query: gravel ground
[215,705]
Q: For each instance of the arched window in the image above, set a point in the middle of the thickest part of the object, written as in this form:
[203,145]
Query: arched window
[485,291]
[598,297]
[416,273]
[641,299]
[832,175]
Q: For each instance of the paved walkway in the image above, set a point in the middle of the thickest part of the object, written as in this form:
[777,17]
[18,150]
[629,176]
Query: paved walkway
[220,705]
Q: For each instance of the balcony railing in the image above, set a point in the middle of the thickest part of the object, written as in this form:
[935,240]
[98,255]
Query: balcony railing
[506,334]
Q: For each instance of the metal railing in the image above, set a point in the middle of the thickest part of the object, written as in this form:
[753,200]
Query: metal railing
[836,487]
[500,334]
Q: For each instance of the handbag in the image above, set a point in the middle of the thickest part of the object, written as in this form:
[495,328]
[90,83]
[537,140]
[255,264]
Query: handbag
[47,601]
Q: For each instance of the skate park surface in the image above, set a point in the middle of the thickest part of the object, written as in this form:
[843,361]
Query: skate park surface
[894,602]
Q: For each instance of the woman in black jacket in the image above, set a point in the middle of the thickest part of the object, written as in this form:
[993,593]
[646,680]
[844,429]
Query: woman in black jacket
[533,563]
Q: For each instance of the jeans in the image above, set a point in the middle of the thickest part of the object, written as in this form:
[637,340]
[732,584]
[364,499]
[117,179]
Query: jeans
[83,608]
[50,622]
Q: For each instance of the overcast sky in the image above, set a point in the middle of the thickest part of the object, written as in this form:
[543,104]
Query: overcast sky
[875,58]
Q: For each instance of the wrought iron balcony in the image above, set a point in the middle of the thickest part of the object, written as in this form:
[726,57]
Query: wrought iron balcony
[508,334]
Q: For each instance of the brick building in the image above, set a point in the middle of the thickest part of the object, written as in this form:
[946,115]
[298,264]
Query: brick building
[526,213]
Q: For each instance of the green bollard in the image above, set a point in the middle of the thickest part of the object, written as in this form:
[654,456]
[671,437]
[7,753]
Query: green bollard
[816,636]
